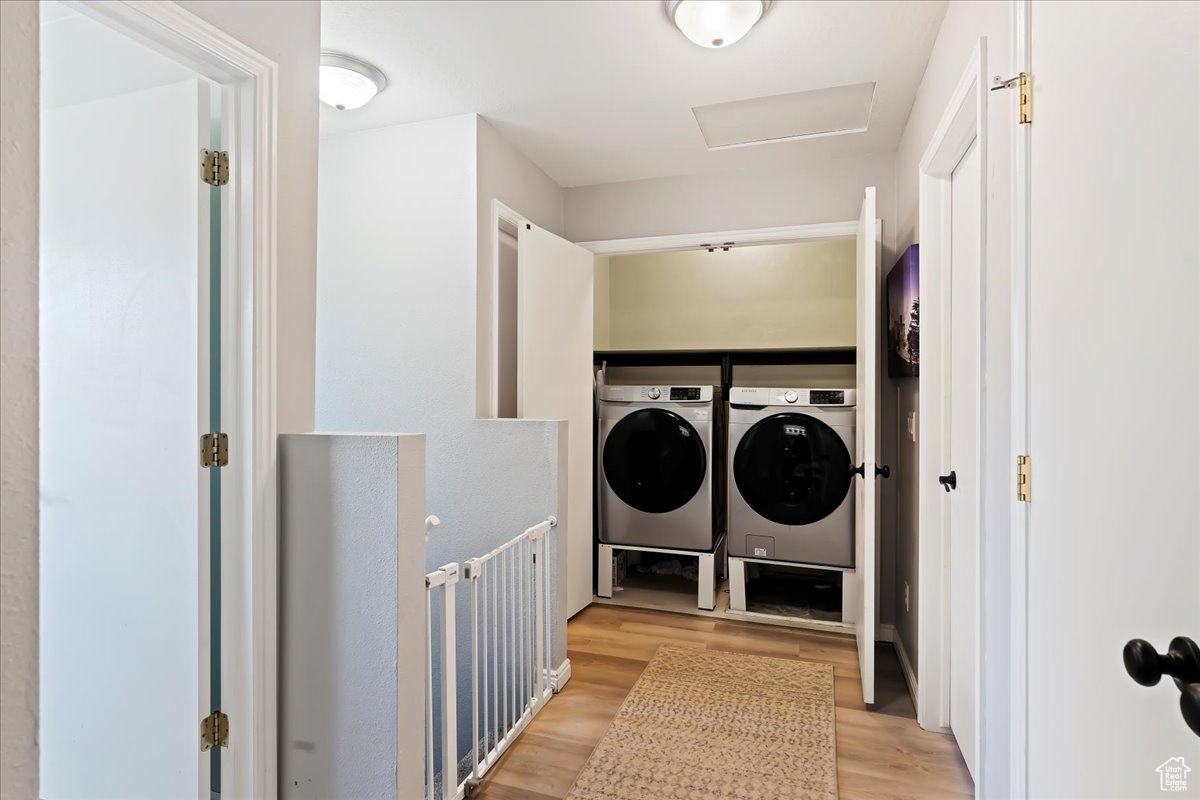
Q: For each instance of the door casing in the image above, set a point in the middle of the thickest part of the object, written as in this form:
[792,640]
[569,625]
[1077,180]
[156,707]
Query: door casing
[963,124]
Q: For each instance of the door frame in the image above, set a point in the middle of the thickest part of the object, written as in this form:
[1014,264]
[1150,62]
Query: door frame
[249,569]
[693,241]
[1019,438]
[499,213]
[963,123]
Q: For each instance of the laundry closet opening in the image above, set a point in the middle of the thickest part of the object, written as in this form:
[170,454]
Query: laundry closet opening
[725,452]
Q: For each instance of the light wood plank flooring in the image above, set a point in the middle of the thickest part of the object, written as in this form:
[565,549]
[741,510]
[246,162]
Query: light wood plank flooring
[881,754]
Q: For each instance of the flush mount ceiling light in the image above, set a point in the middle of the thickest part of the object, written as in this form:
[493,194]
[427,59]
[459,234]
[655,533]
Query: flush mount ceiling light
[716,23]
[347,82]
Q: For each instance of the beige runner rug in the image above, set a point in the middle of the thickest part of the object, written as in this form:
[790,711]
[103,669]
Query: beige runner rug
[706,725]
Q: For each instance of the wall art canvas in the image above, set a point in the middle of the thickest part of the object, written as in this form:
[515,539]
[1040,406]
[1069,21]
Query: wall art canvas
[904,316]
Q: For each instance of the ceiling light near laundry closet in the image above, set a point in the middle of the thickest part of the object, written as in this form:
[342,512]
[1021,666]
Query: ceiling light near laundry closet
[347,82]
[716,23]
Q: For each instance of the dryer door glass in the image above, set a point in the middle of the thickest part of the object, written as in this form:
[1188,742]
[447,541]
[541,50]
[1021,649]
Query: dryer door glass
[792,469]
[654,460]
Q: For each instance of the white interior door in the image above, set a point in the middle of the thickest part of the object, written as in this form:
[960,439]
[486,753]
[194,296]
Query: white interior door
[554,368]
[866,518]
[1114,388]
[124,360]
[962,504]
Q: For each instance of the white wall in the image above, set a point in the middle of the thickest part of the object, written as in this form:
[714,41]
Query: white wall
[961,28]
[351,710]
[289,33]
[18,398]
[396,333]
[506,175]
[818,191]
[823,191]
[767,296]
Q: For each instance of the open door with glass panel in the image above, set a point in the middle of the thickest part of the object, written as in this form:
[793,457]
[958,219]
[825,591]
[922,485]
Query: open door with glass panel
[130,355]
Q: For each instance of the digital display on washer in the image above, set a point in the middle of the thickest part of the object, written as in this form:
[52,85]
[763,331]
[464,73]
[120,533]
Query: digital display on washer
[827,397]
[685,392]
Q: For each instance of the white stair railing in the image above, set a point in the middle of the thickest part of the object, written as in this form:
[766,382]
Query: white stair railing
[510,651]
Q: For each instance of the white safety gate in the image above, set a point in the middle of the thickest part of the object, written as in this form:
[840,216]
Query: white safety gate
[510,649]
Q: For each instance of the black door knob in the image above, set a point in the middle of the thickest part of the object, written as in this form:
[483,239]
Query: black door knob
[1146,666]
[1189,705]
[1181,661]
[949,481]
[884,471]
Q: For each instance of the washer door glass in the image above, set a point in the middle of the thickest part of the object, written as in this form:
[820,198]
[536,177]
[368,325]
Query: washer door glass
[654,460]
[792,469]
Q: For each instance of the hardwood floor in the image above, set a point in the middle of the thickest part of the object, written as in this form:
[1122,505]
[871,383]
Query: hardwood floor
[881,754]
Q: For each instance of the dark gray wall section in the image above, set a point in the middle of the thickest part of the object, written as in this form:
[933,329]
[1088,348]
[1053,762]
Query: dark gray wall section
[351,701]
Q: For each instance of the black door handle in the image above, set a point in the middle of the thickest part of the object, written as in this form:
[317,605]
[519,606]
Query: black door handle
[1181,661]
[861,471]
[949,481]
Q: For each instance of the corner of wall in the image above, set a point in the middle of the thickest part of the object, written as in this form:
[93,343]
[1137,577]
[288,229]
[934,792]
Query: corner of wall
[19,124]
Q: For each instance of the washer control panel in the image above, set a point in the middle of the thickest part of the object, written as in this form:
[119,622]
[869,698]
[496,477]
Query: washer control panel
[662,394]
[761,396]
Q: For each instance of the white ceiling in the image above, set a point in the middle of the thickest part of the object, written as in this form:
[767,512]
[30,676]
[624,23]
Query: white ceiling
[599,92]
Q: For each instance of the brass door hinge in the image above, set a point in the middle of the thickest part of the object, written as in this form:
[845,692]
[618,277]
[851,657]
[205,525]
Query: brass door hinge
[214,450]
[1024,478]
[214,167]
[214,731]
[1024,84]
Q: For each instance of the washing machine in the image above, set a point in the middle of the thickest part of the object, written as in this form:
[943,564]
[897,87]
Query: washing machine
[790,480]
[655,466]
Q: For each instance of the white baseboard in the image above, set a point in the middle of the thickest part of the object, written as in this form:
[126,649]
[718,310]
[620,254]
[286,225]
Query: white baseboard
[906,665]
[887,633]
[560,676]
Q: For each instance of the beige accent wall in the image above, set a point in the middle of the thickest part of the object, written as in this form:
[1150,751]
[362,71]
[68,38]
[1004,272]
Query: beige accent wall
[765,296]
[602,328]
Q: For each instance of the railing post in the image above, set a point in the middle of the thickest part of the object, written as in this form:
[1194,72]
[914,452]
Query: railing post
[449,687]
[538,617]
[471,568]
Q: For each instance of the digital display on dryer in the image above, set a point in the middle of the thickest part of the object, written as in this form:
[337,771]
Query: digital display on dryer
[685,392]
[826,397]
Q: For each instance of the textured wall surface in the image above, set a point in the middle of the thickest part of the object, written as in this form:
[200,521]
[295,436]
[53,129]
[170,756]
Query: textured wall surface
[18,399]
[352,620]
[396,309]
[289,33]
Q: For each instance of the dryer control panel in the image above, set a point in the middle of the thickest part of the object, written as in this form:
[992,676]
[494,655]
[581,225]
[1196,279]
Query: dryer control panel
[761,396]
[659,394]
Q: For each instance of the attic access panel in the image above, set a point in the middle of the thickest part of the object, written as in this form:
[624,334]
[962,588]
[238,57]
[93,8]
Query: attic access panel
[785,117]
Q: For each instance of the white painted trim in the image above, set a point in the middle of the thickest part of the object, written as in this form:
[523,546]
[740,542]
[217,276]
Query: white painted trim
[250,766]
[1017,598]
[906,666]
[691,241]
[499,213]
[560,676]
[964,122]
[827,626]
[886,632]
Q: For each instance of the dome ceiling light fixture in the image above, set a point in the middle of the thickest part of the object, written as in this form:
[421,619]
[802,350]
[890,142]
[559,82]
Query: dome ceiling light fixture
[716,23]
[348,82]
